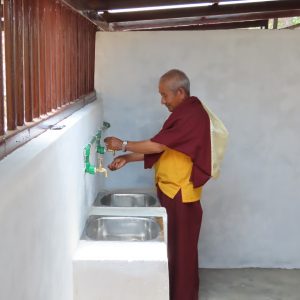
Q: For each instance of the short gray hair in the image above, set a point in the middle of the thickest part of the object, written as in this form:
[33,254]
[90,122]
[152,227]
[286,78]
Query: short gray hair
[176,79]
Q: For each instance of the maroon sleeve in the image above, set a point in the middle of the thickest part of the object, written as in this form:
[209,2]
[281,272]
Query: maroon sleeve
[151,159]
[176,138]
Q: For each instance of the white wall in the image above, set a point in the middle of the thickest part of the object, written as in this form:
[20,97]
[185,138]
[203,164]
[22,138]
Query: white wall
[250,79]
[45,195]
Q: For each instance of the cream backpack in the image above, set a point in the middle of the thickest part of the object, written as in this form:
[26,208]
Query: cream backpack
[218,139]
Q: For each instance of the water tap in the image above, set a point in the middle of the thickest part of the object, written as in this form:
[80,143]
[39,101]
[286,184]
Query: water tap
[100,168]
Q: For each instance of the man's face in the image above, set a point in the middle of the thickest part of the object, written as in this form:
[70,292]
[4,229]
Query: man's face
[170,98]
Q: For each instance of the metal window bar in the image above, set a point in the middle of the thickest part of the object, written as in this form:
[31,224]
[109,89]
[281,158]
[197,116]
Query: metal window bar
[19,59]
[48,58]
[52,25]
[28,14]
[35,58]
[63,55]
[42,59]
[79,46]
[9,32]
[2,128]
[58,54]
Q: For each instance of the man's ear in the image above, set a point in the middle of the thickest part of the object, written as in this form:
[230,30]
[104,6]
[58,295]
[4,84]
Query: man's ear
[181,92]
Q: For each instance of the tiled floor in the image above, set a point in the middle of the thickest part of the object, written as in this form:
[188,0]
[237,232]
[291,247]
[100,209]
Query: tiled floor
[249,284]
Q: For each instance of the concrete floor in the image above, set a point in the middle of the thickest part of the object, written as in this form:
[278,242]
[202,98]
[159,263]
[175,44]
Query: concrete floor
[249,284]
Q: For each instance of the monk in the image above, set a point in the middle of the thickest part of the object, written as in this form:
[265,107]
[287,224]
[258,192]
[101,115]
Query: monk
[181,156]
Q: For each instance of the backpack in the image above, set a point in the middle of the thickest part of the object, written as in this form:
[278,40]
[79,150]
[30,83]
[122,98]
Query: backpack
[218,138]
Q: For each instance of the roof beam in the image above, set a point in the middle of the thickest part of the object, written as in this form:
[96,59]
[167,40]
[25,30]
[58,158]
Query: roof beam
[161,24]
[125,4]
[233,25]
[101,24]
[263,7]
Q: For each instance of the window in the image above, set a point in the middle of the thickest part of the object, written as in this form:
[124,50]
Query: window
[47,62]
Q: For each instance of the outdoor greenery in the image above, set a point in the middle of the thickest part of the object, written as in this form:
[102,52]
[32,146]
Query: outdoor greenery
[285,22]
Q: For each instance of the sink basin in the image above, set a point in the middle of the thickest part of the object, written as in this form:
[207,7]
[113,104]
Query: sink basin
[126,200]
[113,228]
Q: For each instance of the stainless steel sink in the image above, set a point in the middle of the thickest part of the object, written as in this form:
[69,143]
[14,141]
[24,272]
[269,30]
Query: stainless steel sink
[123,228]
[126,200]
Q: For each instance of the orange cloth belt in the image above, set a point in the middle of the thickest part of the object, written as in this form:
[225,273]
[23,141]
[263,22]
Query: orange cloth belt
[173,172]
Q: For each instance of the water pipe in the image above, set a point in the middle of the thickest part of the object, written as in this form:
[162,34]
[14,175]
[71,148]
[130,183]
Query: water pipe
[100,150]
[105,125]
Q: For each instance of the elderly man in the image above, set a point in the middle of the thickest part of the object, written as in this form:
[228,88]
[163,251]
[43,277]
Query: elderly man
[181,156]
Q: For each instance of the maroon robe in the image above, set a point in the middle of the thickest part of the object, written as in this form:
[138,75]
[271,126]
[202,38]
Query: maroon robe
[187,130]
[184,223]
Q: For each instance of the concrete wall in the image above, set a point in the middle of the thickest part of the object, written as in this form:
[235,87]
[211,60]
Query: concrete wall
[250,79]
[44,199]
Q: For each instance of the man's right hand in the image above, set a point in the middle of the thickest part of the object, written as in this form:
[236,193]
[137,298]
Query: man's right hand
[118,163]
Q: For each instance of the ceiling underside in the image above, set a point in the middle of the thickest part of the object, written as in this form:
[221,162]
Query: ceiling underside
[215,14]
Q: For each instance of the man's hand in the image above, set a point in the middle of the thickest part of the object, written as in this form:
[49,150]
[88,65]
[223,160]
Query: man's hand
[113,143]
[118,163]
